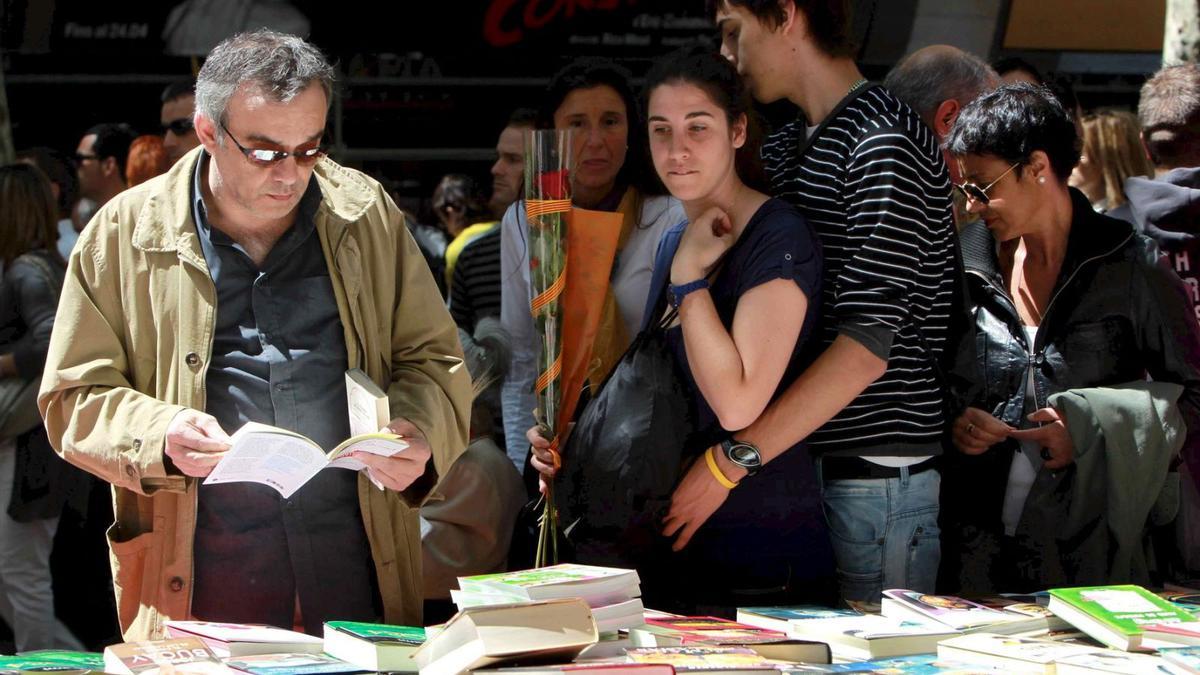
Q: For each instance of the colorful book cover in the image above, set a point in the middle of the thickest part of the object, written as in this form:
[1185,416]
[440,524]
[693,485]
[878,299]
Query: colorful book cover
[14,664]
[1124,609]
[1186,657]
[801,613]
[919,664]
[291,664]
[545,576]
[945,609]
[705,658]
[380,632]
[713,630]
[81,660]
[1031,650]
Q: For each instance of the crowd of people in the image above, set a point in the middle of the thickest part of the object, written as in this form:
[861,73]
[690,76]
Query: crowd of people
[936,333]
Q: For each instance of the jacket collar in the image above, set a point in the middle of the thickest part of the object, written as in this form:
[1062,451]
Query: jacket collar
[1092,235]
[164,222]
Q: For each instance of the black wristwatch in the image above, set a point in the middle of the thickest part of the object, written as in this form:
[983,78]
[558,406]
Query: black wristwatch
[743,454]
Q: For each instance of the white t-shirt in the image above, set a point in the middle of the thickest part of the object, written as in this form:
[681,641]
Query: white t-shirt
[1025,463]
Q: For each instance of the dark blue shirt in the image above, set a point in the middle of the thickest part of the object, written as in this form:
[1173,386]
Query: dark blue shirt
[770,534]
[279,358]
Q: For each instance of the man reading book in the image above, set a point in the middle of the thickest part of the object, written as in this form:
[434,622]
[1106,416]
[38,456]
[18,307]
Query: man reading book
[239,288]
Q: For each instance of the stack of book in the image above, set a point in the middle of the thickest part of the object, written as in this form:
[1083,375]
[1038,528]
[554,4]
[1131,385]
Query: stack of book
[614,595]
[550,631]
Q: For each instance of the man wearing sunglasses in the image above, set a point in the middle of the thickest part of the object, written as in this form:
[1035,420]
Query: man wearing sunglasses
[178,107]
[100,161]
[240,288]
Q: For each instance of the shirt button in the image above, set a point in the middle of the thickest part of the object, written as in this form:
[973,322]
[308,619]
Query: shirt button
[192,359]
[176,584]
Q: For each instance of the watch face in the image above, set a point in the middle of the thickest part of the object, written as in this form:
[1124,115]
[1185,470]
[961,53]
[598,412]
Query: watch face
[744,455]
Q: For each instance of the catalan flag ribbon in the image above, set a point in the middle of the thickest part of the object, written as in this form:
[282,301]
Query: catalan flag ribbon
[547,203]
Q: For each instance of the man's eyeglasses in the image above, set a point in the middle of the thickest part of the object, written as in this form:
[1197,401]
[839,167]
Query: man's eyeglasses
[80,158]
[265,157]
[178,127]
[979,194]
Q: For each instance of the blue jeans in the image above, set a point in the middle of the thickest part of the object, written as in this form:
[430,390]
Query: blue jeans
[884,532]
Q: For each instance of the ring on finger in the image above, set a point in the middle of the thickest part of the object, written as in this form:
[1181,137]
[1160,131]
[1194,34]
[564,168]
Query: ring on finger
[971,429]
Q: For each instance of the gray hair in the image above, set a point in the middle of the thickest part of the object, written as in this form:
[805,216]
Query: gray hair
[276,64]
[932,75]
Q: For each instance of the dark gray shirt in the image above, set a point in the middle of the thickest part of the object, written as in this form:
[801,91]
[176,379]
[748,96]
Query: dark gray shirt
[279,357]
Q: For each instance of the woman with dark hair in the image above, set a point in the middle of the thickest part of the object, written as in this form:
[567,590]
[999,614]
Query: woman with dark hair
[35,483]
[744,272]
[1072,310]
[593,98]
[463,214]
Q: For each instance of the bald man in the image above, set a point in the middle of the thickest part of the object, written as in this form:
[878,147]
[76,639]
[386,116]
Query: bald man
[938,81]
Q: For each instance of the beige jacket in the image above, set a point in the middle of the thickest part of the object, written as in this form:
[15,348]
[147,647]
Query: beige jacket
[131,347]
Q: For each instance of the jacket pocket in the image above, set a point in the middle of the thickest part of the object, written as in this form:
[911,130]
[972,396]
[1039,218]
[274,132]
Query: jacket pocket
[1092,349]
[132,559]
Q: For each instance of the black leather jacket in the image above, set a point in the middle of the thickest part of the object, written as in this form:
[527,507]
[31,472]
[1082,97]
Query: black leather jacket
[1118,312]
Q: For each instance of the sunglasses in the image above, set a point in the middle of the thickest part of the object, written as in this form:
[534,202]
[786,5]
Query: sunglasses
[979,194]
[178,127]
[265,157]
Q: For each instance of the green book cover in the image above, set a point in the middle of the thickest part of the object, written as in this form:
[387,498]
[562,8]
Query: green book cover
[12,664]
[83,660]
[380,632]
[1123,608]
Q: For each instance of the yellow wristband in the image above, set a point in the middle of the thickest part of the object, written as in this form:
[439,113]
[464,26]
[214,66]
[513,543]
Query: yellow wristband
[716,470]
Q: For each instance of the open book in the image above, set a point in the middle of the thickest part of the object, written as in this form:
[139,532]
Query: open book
[286,460]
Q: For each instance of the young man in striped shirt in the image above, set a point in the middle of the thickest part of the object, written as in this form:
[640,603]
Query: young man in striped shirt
[869,176]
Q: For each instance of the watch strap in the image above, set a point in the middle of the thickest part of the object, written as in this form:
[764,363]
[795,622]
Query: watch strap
[678,293]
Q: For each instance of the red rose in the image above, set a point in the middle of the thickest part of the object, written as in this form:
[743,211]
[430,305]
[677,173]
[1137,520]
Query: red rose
[554,184]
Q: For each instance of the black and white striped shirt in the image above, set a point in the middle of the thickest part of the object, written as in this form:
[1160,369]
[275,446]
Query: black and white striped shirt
[873,183]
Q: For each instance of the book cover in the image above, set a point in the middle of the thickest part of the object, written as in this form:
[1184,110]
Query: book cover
[948,610]
[1122,609]
[917,664]
[1186,659]
[366,403]
[703,658]
[555,575]
[713,630]
[180,655]
[81,660]
[380,633]
[1110,661]
[291,664]
[25,664]
[239,639]
[992,649]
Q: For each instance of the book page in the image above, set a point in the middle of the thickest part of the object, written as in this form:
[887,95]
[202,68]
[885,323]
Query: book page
[276,458]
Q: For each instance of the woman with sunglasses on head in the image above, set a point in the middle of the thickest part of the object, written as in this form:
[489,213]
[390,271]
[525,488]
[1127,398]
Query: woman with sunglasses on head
[1071,311]
[594,99]
[744,273]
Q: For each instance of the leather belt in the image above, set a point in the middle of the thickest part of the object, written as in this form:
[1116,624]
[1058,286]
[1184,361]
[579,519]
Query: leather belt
[857,468]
